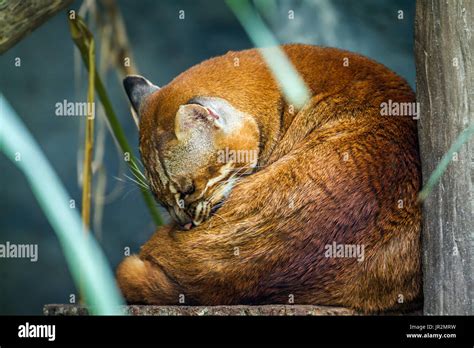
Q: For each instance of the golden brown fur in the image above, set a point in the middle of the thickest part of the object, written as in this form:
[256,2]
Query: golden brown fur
[334,171]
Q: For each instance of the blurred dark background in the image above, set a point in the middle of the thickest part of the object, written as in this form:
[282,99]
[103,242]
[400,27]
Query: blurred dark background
[163,46]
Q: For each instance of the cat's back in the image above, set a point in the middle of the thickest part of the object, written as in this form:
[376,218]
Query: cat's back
[327,69]
[244,79]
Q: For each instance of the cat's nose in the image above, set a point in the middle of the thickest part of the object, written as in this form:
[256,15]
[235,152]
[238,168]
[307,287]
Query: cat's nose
[185,221]
[181,217]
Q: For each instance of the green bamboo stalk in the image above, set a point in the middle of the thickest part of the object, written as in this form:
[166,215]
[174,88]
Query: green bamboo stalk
[292,84]
[88,142]
[81,36]
[85,259]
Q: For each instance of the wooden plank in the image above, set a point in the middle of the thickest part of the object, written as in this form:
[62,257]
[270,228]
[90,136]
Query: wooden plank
[444,62]
[263,310]
[20,17]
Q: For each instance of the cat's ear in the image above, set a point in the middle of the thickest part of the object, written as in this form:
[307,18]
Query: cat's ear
[138,88]
[196,118]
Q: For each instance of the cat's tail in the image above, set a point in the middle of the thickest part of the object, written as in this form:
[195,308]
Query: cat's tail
[142,282]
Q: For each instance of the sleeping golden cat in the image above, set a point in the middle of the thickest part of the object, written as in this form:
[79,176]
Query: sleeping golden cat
[275,227]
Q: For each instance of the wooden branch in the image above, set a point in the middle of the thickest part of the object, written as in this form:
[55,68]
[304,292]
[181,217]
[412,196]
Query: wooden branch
[20,17]
[445,86]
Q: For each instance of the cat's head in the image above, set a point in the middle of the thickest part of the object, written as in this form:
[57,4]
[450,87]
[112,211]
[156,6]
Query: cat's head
[193,157]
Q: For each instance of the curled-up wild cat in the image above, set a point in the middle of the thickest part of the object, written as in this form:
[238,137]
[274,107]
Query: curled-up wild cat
[270,202]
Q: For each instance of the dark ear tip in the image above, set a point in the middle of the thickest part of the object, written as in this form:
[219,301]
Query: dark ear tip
[137,88]
[132,80]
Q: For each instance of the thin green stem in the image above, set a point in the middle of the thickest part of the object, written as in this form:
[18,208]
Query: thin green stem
[81,36]
[86,261]
[292,84]
[88,143]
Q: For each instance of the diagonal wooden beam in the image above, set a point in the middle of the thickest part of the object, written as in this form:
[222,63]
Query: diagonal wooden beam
[18,18]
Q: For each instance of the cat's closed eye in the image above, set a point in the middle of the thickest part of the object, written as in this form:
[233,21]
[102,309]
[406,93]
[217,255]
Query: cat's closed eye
[188,190]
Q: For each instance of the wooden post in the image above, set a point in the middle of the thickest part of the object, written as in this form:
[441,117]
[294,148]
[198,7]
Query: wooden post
[20,17]
[444,49]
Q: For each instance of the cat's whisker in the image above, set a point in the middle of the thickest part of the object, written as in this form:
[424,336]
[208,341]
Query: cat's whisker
[139,183]
[129,191]
[140,177]
[220,217]
[125,181]
[137,172]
